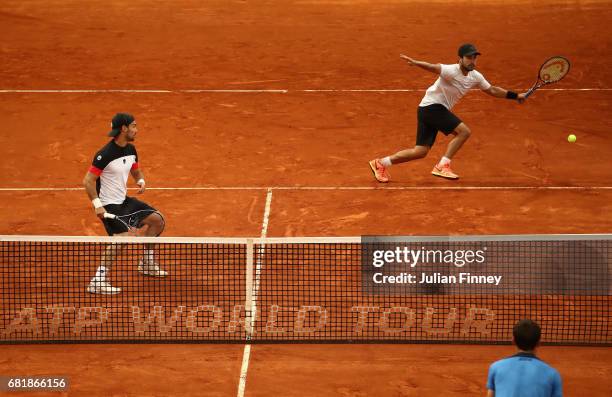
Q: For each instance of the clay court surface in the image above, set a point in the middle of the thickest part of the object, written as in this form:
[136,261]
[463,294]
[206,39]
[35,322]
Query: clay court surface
[246,103]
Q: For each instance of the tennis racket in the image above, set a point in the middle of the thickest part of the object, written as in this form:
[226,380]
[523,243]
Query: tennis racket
[131,222]
[551,71]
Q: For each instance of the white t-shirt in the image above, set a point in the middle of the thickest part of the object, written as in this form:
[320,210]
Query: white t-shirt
[113,164]
[452,85]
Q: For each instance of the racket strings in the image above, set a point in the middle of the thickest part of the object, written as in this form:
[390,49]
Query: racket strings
[554,69]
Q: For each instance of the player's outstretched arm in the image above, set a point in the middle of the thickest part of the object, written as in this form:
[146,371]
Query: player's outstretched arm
[499,92]
[430,67]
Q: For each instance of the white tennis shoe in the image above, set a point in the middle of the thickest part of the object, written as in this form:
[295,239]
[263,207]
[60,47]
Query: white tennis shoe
[102,287]
[151,269]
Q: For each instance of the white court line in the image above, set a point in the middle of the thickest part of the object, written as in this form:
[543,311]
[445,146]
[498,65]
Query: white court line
[340,188]
[139,91]
[235,91]
[260,251]
[242,91]
[86,91]
[422,90]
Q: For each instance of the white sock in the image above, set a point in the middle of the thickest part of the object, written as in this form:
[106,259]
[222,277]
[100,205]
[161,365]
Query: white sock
[149,256]
[100,274]
[444,161]
[386,162]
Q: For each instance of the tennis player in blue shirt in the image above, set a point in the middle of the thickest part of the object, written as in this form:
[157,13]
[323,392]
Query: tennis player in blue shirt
[524,375]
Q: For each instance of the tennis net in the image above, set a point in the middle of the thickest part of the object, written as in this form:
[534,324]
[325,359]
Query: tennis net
[470,289]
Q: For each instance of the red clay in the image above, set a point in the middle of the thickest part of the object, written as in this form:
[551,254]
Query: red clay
[307,139]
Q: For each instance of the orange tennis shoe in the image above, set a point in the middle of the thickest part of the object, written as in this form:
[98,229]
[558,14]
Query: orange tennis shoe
[380,172]
[444,172]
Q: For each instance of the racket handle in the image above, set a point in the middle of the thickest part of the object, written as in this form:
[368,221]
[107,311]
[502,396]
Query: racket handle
[109,216]
[531,91]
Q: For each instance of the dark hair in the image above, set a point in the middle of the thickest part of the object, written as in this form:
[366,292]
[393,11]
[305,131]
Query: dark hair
[526,334]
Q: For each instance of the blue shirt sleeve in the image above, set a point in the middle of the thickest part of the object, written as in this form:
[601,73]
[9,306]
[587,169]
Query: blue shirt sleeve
[491,378]
[557,386]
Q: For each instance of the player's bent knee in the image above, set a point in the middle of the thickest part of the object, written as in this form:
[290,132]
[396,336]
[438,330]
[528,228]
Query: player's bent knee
[159,222]
[156,222]
[157,218]
[421,152]
[152,219]
[463,130]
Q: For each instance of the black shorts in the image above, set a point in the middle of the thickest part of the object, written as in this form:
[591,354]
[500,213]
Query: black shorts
[129,206]
[434,118]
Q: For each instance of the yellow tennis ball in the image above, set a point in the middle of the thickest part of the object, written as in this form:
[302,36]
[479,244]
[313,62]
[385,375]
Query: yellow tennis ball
[571,138]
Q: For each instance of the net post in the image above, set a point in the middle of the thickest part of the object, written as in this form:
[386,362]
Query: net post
[248,304]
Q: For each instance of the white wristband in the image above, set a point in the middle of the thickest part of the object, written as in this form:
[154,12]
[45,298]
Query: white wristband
[140,182]
[97,203]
